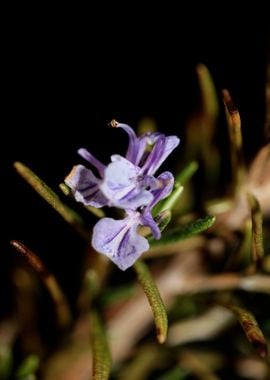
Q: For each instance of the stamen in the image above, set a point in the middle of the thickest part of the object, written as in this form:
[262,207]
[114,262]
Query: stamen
[114,123]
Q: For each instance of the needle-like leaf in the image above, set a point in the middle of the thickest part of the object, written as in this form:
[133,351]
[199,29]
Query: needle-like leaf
[251,328]
[257,232]
[52,198]
[154,299]
[101,353]
[184,232]
[61,306]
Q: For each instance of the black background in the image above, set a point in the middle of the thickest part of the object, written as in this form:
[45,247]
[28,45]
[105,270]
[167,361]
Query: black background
[66,78]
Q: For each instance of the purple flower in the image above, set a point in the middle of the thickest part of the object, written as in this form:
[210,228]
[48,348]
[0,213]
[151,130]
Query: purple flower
[120,240]
[127,183]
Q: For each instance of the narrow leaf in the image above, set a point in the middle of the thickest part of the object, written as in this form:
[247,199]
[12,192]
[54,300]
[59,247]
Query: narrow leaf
[208,94]
[185,232]
[181,179]
[188,171]
[52,198]
[101,353]
[163,219]
[235,135]
[257,231]
[154,299]
[250,327]
[61,306]
[201,128]
[168,203]
[207,121]
[172,199]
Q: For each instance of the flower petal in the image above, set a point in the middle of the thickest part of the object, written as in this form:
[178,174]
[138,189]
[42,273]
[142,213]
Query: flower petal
[162,149]
[167,181]
[122,185]
[119,240]
[92,160]
[85,187]
[146,219]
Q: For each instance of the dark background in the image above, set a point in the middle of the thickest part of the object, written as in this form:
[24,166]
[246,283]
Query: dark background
[65,80]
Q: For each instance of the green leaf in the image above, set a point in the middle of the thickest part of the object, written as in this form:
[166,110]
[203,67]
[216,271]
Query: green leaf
[28,367]
[152,293]
[101,353]
[163,219]
[180,179]
[168,203]
[208,94]
[172,199]
[185,174]
[185,232]
[52,198]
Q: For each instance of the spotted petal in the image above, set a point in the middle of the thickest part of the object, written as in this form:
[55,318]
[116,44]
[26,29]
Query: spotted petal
[119,240]
[85,187]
